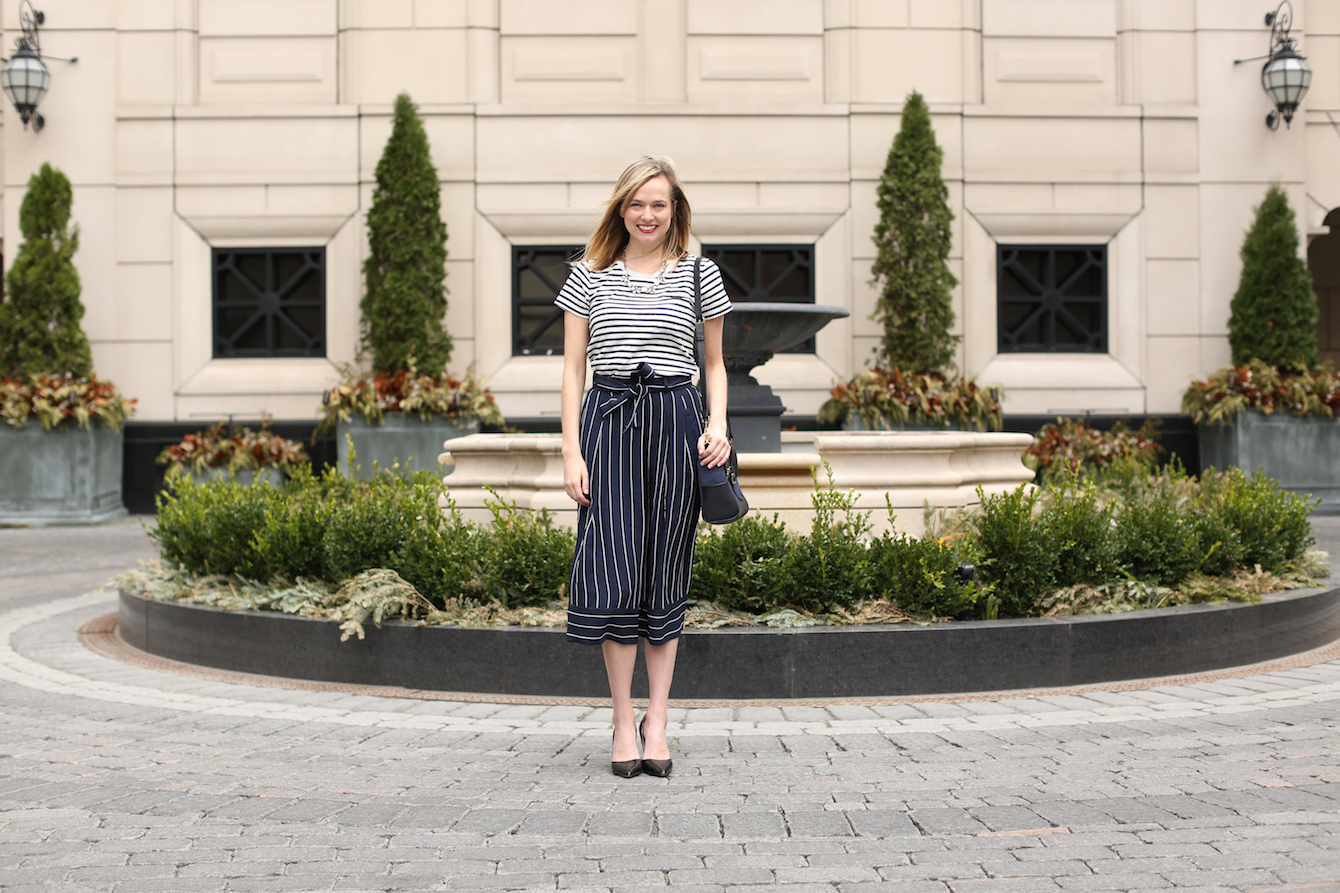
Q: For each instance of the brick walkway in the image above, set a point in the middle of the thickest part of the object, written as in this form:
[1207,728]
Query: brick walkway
[115,777]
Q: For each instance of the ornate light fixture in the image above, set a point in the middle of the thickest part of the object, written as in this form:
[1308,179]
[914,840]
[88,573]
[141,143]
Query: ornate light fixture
[24,78]
[1286,75]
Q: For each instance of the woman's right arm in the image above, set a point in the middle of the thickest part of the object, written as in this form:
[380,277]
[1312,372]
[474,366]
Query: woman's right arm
[576,481]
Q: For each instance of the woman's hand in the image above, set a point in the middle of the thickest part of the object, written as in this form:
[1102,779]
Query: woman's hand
[714,445]
[576,479]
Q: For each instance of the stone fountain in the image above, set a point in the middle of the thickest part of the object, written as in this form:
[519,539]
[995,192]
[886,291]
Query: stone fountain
[905,470]
[752,333]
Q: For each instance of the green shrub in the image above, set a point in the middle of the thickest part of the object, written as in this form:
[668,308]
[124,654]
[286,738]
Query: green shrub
[1160,540]
[1272,524]
[1273,314]
[1079,529]
[209,528]
[289,540]
[524,559]
[829,570]
[40,310]
[387,522]
[1018,558]
[743,566]
[921,574]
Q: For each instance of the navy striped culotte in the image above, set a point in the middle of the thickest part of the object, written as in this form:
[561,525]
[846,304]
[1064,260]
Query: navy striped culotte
[634,556]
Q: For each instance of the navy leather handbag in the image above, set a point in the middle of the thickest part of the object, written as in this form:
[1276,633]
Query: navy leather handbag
[722,499]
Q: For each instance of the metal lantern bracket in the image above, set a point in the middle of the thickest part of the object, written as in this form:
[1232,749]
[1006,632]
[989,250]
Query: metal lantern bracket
[1286,76]
[24,78]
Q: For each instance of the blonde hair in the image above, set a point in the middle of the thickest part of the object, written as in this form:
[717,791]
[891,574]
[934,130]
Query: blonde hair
[610,237]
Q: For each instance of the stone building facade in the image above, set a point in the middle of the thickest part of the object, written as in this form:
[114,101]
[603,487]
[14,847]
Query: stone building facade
[1103,158]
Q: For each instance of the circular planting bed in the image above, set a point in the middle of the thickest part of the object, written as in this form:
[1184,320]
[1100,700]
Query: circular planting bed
[817,662]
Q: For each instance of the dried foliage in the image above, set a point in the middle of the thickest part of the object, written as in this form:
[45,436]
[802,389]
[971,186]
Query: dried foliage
[1074,446]
[241,450]
[887,399]
[54,399]
[462,400]
[1265,388]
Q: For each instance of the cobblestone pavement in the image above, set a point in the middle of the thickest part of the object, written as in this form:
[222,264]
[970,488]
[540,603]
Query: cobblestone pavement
[119,778]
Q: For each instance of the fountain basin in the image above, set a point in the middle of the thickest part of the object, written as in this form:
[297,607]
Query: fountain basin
[913,469]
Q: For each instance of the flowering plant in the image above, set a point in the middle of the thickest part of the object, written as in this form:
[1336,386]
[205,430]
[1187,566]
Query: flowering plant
[241,450]
[408,391]
[1261,386]
[54,398]
[1072,444]
[885,398]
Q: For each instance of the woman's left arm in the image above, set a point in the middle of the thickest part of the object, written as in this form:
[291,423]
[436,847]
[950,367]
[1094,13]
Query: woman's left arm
[714,445]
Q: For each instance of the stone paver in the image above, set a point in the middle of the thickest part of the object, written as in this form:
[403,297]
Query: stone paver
[129,780]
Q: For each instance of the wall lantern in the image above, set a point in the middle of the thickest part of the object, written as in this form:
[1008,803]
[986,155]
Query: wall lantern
[24,78]
[1285,76]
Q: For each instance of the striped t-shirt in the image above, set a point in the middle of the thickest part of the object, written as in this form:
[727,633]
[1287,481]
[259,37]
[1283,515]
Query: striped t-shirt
[628,329]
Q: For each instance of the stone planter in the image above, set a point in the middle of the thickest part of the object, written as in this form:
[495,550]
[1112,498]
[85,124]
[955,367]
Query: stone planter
[820,662]
[69,475]
[412,442]
[1302,454]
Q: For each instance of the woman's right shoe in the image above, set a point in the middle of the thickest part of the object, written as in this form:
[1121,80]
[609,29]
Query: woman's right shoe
[659,768]
[625,768]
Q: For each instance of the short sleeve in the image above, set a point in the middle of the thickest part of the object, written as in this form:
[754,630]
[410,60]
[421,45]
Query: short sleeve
[575,295]
[715,300]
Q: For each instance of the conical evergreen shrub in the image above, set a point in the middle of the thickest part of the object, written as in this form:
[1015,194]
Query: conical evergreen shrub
[41,310]
[405,297]
[913,238]
[1273,316]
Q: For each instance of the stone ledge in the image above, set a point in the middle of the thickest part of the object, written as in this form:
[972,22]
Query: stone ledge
[824,662]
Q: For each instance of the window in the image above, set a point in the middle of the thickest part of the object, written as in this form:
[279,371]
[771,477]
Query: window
[538,274]
[1051,298]
[781,273]
[751,273]
[269,302]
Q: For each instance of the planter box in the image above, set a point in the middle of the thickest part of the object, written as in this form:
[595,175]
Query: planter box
[1303,454]
[69,475]
[413,442]
[820,662]
[246,476]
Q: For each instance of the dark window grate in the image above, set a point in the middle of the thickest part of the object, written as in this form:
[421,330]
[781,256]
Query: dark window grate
[1051,298]
[538,274]
[269,302]
[781,273]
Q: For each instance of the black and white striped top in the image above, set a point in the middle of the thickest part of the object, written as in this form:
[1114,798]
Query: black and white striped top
[628,329]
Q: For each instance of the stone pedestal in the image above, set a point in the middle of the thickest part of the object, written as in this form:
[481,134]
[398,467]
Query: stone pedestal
[69,475]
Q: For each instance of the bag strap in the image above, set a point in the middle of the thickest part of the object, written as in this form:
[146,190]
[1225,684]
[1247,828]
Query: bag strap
[699,345]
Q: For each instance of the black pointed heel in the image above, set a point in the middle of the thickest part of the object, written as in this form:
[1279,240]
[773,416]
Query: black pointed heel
[625,768]
[659,768]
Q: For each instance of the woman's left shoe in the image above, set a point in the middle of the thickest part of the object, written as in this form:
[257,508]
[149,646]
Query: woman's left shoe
[659,768]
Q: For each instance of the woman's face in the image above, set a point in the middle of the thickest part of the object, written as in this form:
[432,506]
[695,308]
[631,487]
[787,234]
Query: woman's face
[648,215]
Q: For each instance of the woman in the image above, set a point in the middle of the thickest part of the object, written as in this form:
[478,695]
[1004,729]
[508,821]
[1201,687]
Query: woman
[632,448]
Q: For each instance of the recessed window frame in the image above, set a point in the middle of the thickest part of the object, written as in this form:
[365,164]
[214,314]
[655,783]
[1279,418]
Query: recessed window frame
[755,284]
[525,338]
[272,299]
[1053,306]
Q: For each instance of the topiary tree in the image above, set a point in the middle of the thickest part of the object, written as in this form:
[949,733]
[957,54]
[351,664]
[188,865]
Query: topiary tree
[1273,316]
[40,310]
[405,274]
[913,239]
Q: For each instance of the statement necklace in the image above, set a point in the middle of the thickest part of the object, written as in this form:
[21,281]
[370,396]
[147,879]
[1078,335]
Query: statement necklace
[649,287]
